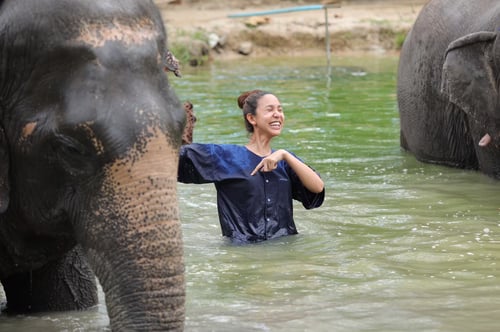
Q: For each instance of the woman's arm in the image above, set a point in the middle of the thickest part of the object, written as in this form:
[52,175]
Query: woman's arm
[196,164]
[307,176]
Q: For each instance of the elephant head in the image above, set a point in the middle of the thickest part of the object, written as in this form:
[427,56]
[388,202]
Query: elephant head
[471,81]
[89,138]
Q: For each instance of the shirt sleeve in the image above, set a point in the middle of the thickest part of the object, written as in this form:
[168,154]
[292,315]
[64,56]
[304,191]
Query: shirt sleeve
[196,164]
[300,193]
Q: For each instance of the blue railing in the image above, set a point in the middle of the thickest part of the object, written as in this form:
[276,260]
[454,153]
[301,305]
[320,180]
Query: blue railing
[280,11]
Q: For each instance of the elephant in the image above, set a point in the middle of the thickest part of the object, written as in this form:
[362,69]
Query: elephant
[90,131]
[447,86]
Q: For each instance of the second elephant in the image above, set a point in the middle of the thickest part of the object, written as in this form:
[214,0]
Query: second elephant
[448,85]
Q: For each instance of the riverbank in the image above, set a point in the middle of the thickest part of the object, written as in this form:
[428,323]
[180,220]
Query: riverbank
[202,30]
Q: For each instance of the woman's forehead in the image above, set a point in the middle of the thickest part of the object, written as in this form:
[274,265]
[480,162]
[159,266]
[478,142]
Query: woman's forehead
[269,99]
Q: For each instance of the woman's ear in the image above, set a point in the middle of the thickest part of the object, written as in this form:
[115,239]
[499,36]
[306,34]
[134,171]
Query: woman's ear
[251,119]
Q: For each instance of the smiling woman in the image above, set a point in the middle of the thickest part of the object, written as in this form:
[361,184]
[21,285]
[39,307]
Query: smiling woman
[255,184]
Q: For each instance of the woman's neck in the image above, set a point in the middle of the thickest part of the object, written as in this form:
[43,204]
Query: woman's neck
[259,145]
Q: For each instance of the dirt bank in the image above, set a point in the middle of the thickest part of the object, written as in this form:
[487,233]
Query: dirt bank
[355,26]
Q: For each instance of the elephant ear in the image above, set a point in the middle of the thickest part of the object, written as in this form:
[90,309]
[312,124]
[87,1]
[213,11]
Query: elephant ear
[4,172]
[468,72]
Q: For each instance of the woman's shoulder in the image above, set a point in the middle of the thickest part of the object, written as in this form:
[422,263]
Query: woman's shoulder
[214,148]
[231,151]
[230,147]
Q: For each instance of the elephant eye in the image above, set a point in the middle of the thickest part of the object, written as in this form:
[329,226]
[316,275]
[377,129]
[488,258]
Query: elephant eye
[72,156]
[72,150]
[69,146]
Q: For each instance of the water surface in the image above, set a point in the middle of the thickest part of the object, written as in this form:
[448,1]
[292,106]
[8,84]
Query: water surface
[397,245]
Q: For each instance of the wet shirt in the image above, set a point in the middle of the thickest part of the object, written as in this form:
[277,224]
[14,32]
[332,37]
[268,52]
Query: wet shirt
[251,208]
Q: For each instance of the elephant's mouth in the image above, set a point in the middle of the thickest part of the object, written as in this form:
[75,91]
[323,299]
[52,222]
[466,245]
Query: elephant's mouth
[485,141]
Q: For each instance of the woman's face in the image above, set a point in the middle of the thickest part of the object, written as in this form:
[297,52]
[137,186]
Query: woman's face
[269,117]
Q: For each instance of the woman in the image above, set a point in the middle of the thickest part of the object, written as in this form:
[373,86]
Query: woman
[255,184]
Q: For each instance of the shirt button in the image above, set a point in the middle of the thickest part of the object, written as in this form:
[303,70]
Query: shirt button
[267,219]
[267,181]
[268,199]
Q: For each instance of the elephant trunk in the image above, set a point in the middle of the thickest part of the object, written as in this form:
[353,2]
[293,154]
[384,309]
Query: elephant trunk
[135,245]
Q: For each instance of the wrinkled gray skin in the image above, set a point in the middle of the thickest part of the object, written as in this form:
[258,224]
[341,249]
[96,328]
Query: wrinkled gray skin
[89,138]
[448,85]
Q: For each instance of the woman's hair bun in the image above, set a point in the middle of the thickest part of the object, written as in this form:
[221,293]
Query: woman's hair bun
[243,97]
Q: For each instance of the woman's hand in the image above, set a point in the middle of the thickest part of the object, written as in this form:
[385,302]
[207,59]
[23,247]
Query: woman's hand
[307,176]
[269,163]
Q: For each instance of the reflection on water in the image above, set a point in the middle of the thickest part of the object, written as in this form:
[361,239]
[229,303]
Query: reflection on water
[397,246]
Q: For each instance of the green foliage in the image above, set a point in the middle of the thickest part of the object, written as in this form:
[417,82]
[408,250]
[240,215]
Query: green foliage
[181,47]
[399,40]
[181,52]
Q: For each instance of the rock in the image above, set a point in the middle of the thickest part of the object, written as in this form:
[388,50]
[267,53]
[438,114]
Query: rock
[213,40]
[331,2]
[222,41]
[255,21]
[245,48]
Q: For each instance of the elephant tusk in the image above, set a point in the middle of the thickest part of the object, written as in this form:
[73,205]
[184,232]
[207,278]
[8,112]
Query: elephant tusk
[485,140]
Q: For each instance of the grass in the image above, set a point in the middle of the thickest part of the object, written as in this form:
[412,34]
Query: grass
[182,47]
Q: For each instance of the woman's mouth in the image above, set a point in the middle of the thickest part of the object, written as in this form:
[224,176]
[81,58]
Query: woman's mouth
[275,124]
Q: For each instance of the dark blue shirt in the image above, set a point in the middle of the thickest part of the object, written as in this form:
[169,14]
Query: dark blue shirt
[251,208]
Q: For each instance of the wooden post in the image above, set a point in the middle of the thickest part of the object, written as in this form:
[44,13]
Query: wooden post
[328,48]
[327,39]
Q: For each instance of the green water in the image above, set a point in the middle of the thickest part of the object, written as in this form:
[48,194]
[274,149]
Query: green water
[397,245]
